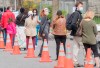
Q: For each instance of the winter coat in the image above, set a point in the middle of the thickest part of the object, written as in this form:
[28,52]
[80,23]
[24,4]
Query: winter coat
[5,17]
[11,28]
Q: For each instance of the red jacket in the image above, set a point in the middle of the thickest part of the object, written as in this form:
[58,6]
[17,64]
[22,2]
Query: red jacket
[6,15]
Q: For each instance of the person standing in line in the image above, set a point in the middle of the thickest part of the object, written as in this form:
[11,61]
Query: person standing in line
[59,31]
[89,32]
[11,30]
[30,27]
[4,21]
[20,22]
[76,18]
[44,27]
[35,12]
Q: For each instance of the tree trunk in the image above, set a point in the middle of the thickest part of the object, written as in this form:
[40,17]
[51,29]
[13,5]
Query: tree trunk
[55,7]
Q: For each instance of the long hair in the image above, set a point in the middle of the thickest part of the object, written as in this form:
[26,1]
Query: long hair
[35,10]
[42,13]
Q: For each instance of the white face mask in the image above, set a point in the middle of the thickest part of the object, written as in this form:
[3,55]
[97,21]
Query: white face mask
[46,11]
[34,13]
[81,9]
[10,9]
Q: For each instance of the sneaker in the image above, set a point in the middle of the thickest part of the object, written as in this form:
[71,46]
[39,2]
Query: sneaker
[78,65]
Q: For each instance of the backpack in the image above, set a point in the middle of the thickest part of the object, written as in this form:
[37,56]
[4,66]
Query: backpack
[69,21]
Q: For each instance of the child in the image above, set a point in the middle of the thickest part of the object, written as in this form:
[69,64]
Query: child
[11,30]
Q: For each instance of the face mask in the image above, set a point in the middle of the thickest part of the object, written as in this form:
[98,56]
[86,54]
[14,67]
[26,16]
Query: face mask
[34,14]
[81,9]
[46,11]
[10,9]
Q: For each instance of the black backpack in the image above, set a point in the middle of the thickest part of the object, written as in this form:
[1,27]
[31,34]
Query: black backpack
[69,21]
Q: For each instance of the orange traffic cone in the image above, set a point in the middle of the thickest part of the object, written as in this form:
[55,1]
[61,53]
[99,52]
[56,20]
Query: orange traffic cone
[1,42]
[69,61]
[61,58]
[30,52]
[8,44]
[89,60]
[16,48]
[45,53]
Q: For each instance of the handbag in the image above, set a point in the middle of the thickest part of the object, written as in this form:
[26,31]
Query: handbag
[79,30]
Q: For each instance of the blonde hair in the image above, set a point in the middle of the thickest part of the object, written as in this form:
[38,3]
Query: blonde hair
[89,15]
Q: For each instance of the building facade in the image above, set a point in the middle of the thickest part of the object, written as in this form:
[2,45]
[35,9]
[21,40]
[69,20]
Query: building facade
[64,4]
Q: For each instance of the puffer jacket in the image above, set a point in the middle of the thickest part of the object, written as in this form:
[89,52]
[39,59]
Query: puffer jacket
[11,28]
[5,17]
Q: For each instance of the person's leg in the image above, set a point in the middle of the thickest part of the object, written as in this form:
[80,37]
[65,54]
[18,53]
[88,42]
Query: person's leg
[27,41]
[43,37]
[34,41]
[96,55]
[4,36]
[41,48]
[63,40]
[11,38]
[86,46]
[76,47]
[57,39]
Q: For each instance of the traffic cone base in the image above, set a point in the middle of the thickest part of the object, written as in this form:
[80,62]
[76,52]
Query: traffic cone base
[1,42]
[89,66]
[30,53]
[89,63]
[67,62]
[45,57]
[2,45]
[16,50]
[61,62]
[8,47]
[61,57]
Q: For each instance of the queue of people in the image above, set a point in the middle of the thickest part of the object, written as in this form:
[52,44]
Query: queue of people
[27,23]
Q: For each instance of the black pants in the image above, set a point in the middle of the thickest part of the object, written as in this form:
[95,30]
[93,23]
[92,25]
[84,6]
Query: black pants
[60,39]
[93,48]
[43,37]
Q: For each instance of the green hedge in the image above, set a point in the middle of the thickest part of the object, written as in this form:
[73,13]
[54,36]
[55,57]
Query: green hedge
[97,19]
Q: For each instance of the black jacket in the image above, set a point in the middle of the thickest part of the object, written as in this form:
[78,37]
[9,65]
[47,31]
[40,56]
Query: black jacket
[20,19]
[76,19]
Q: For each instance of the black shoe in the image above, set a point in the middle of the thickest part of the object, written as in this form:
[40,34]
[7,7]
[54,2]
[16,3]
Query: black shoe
[39,55]
[78,65]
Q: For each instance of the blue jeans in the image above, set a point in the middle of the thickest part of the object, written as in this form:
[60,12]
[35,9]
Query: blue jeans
[37,29]
[4,36]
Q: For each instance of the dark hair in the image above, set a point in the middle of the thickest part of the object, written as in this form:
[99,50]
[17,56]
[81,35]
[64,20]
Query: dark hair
[59,15]
[77,3]
[22,10]
[36,11]
[8,7]
[59,12]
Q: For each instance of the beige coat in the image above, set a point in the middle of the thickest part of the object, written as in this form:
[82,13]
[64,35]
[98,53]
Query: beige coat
[30,26]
